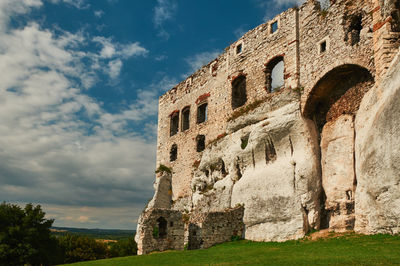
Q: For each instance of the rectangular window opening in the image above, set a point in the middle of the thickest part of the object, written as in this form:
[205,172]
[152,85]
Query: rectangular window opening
[239,48]
[274,26]
[202,113]
[323,47]
[185,119]
[174,126]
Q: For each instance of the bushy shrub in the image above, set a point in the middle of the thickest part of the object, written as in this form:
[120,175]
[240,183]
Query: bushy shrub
[124,247]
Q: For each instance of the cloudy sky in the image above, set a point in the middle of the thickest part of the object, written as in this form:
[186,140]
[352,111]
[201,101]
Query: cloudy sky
[79,83]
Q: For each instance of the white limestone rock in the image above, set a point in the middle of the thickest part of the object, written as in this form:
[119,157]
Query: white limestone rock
[272,168]
[163,192]
[338,177]
[377,148]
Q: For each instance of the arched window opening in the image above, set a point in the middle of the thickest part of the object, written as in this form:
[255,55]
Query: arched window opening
[162,227]
[174,125]
[185,118]
[239,94]
[274,74]
[201,143]
[173,154]
[202,113]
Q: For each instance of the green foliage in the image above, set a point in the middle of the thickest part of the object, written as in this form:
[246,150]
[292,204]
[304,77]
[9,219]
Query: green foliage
[122,248]
[300,90]
[344,250]
[25,236]
[245,141]
[324,12]
[246,109]
[163,168]
[110,234]
[235,238]
[156,232]
[80,248]
[220,136]
[185,218]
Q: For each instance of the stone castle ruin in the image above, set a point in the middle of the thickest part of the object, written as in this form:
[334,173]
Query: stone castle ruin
[293,128]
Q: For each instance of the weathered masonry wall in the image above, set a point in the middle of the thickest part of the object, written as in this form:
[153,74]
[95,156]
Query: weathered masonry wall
[346,30]
[311,41]
[208,229]
[212,85]
[161,229]
[240,156]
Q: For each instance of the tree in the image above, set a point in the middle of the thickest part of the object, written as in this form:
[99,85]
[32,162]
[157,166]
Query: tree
[25,236]
[124,247]
[79,248]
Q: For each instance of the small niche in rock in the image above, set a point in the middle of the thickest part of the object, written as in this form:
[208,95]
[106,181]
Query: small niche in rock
[238,172]
[223,170]
[245,141]
[270,152]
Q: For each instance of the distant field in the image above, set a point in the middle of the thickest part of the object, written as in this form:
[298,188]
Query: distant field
[106,234]
[344,250]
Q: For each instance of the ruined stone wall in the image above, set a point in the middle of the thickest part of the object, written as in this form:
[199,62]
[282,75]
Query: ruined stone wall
[212,84]
[297,158]
[347,42]
[208,229]
[149,235]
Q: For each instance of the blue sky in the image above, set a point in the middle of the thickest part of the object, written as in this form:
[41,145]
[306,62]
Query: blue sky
[79,85]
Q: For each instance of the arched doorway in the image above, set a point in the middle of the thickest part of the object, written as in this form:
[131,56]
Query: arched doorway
[332,104]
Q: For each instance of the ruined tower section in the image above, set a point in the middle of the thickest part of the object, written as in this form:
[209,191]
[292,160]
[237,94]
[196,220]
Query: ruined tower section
[337,68]
[283,133]
[195,112]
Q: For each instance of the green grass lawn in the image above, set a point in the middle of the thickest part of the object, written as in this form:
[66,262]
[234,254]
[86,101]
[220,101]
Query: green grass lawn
[345,250]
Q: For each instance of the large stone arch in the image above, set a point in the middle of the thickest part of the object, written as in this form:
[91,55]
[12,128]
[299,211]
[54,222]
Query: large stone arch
[332,104]
[310,85]
[338,84]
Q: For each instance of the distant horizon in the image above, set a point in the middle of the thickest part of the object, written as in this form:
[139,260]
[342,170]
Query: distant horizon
[106,229]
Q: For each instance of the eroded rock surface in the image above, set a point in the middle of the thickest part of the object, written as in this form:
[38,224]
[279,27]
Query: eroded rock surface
[163,192]
[338,177]
[378,157]
[271,167]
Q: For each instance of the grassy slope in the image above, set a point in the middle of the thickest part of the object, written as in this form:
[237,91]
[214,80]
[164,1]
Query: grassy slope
[345,250]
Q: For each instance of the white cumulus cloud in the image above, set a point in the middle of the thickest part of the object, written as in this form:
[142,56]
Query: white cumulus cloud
[58,146]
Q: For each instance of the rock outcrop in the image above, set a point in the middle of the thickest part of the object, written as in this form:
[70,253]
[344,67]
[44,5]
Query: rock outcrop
[271,167]
[338,176]
[377,198]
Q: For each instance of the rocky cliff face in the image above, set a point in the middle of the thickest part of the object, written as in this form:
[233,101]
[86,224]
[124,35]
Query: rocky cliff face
[268,162]
[377,148]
